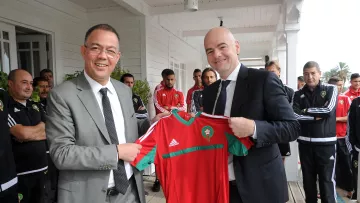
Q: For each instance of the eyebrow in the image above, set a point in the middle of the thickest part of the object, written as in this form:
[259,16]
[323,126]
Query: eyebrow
[208,49]
[97,44]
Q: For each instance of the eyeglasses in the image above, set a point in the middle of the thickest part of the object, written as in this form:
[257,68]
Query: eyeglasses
[96,50]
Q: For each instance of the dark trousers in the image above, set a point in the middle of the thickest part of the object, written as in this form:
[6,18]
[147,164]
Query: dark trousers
[32,187]
[343,166]
[9,196]
[355,165]
[318,160]
[51,183]
[234,193]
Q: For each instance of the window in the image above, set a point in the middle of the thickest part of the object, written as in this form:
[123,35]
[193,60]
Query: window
[180,74]
[5,63]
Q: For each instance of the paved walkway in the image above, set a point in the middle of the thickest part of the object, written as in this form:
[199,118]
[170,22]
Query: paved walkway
[296,193]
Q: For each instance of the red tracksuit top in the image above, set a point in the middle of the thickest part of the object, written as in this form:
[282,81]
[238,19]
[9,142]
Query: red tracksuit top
[352,94]
[342,108]
[169,97]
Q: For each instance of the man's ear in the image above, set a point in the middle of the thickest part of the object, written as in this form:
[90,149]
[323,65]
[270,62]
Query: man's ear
[83,51]
[237,46]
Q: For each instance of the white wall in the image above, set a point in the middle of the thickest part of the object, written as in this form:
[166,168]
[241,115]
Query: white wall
[67,23]
[162,45]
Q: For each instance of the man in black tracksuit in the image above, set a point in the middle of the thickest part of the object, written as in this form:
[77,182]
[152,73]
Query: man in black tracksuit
[26,121]
[354,138]
[314,106]
[8,177]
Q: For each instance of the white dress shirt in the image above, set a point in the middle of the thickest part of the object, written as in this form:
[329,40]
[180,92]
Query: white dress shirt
[118,118]
[230,89]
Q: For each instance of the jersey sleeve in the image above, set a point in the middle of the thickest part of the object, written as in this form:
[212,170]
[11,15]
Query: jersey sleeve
[238,146]
[157,101]
[188,97]
[148,150]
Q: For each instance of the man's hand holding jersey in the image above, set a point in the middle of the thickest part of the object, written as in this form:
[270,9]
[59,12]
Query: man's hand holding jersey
[242,127]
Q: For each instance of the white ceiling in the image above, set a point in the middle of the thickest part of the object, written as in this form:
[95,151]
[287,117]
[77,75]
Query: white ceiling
[95,4]
[253,22]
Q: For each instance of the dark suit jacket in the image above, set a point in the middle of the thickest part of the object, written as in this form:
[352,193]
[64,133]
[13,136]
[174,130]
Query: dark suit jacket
[259,95]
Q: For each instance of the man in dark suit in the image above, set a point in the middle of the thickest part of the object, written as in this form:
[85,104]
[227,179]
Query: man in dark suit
[257,106]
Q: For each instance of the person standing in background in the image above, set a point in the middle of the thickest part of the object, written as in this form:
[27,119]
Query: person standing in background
[208,77]
[197,86]
[343,172]
[274,67]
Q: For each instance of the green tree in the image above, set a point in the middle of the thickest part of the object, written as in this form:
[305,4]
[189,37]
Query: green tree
[3,80]
[342,70]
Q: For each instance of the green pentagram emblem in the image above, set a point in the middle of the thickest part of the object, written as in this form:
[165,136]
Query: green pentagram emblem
[1,106]
[20,196]
[323,94]
[207,132]
[135,100]
[355,164]
[35,107]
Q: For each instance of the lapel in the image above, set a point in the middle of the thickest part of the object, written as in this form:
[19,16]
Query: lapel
[124,100]
[241,91]
[88,99]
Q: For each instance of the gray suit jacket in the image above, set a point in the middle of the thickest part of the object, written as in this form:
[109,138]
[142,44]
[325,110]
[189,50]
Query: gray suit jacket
[80,145]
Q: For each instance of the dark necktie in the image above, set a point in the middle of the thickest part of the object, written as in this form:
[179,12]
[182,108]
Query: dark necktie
[120,178]
[221,101]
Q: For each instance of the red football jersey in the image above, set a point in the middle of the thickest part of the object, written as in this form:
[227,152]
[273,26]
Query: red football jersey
[342,110]
[191,156]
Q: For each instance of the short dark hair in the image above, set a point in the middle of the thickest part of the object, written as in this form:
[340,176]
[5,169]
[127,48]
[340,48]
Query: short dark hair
[205,71]
[105,27]
[126,75]
[333,80]
[12,74]
[39,79]
[169,72]
[311,64]
[164,71]
[301,78]
[43,71]
[270,63]
[197,71]
[354,76]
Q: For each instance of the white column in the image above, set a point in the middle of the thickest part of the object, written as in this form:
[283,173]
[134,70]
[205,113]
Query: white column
[281,52]
[291,163]
[291,55]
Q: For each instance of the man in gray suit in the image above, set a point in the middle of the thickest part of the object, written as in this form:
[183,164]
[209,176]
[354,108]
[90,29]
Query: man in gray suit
[91,128]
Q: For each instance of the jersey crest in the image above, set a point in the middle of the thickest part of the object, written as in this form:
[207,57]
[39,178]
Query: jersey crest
[323,94]
[207,132]
[35,107]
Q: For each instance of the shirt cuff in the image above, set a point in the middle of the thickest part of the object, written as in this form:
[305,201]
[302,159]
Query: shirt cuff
[254,136]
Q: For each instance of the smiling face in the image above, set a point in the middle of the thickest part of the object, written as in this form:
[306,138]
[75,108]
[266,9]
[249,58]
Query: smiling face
[222,51]
[21,87]
[100,53]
